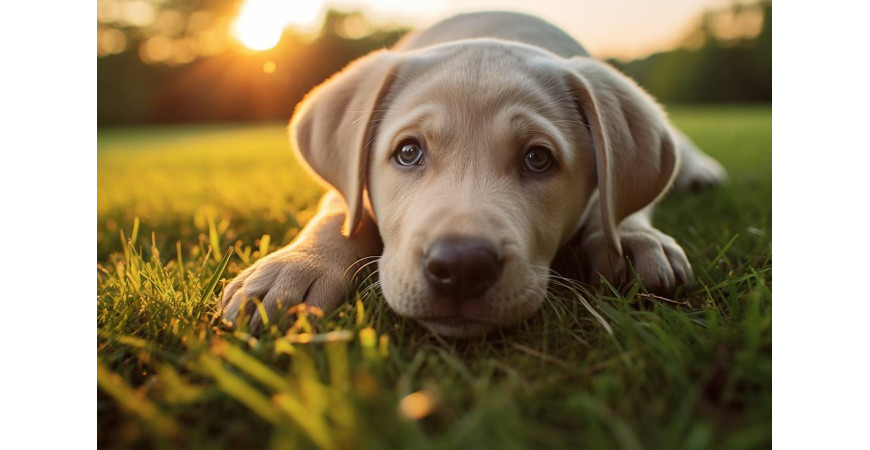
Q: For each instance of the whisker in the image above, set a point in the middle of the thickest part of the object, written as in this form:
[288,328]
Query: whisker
[372,139]
[359,261]
[376,286]
[364,281]
[361,268]
[371,290]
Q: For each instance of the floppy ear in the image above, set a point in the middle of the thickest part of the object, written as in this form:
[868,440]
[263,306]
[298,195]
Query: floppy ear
[634,151]
[333,127]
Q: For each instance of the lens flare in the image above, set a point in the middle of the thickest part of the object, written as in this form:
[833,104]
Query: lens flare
[261,23]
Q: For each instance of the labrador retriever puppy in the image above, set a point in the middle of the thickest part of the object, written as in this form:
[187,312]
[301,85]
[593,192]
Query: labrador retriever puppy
[465,158]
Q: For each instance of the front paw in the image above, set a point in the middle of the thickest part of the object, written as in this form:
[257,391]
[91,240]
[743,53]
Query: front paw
[649,254]
[281,280]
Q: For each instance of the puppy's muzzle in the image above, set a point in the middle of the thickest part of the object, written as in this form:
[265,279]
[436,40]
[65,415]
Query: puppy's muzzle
[461,267]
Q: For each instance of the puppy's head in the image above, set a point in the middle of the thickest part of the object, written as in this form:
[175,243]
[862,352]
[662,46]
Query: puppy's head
[480,158]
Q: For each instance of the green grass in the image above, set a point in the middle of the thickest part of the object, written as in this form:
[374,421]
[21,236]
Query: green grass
[693,375]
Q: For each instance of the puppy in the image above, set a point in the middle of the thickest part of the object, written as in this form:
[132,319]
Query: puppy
[465,158]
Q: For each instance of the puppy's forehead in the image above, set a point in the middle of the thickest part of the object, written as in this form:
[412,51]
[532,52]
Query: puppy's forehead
[474,91]
[481,73]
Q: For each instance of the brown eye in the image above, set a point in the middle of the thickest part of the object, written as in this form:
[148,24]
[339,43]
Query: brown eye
[409,153]
[537,160]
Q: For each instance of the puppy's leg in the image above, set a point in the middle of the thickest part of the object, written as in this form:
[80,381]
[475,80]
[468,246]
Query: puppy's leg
[654,256]
[313,269]
[697,169]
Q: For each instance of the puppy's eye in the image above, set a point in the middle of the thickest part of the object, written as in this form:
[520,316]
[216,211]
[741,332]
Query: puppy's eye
[537,160]
[409,153]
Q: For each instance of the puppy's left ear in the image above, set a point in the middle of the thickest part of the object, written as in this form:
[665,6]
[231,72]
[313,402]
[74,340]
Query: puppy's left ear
[635,153]
[334,126]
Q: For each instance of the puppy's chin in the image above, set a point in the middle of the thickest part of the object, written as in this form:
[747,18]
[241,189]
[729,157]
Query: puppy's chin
[505,305]
[465,325]
[457,327]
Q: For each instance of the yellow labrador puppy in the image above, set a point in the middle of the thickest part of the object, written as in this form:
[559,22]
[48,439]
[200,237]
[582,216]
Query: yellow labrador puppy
[466,157]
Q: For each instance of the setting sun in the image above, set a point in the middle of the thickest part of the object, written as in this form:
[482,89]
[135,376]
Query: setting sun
[261,23]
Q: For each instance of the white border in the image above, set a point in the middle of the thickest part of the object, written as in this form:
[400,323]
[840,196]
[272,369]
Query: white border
[48,187]
[820,246]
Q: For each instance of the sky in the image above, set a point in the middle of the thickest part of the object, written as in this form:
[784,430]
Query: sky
[623,29]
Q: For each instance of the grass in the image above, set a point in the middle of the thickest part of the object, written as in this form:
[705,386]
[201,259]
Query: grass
[183,209]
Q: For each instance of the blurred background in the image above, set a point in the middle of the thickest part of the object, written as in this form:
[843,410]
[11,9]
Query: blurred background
[190,61]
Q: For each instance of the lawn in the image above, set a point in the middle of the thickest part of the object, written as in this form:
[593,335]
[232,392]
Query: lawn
[181,210]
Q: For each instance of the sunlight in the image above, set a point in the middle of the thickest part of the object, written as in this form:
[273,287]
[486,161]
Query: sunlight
[416,406]
[261,23]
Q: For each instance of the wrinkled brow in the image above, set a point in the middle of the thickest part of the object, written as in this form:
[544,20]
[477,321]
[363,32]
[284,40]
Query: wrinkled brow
[421,117]
[533,125]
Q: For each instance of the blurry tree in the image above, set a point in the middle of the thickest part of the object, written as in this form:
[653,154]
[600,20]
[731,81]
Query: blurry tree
[166,31]
[174,61]
[727,57]
[230,83]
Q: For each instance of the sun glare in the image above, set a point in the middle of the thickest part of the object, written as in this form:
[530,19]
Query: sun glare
[261,23]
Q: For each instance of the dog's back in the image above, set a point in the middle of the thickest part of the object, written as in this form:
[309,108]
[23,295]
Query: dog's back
[507,26]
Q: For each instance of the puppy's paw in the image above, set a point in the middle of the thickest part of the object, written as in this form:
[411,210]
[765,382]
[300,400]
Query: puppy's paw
[650,254]
[699,171]
[281,280]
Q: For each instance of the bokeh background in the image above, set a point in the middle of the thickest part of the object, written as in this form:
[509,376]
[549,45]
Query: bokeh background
[170,61]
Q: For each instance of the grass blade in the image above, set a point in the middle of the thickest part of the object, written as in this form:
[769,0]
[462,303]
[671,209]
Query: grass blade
[264,245]
[112,384]
[239,389]
[209,289]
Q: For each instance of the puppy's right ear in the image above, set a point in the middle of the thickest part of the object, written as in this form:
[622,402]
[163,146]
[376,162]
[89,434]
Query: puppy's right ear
[334,126]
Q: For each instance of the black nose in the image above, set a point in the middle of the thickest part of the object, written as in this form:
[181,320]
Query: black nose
[461,267]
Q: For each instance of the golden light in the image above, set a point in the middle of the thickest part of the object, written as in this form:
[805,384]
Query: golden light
[110,41]
[416,406]
[256,34]
[211,42]
[354,26]
[183,51]
[269,67]
[261,23]
[170,22]
[156,49]
[138,13]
